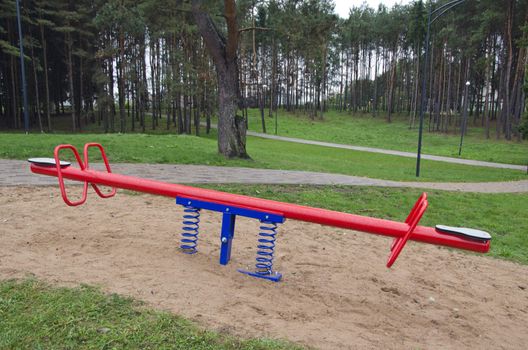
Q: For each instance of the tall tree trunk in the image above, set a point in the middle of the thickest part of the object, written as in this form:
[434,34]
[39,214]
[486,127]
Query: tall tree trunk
[46,79]
[323,83]
[488,92]
[154,99]
[37,102]
[448,98]
[80,105]
[14,101]
[390,93]
[231,128]
[143,92]
[69,44]
[375,82]
[507,74]
[273,87]
[111,90]
[121,88]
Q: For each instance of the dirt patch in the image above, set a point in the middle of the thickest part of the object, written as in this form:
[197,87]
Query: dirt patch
[336,292]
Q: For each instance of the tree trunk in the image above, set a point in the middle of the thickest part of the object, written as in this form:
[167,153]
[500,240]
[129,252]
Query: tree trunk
[37,107]
[69,44]
[231,128]
[507,74]
[323,84]
[488,93]
[14,100]
[390,93]
[121,88]
[46,80]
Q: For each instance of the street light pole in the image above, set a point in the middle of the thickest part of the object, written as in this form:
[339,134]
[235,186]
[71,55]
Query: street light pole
[22,69]
[433,16]
[464,121]
[422,101]
[276,114]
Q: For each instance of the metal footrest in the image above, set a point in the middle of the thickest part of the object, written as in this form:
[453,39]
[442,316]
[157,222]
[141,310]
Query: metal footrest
[273,276]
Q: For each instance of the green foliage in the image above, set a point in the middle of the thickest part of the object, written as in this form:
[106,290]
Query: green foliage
[417,26]
[303,52]
[117,15]
[9,49]
[35,315]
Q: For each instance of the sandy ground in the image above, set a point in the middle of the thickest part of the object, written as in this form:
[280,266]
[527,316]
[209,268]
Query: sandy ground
[336,292]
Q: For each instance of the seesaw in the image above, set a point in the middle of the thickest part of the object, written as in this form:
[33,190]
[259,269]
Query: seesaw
[270,213]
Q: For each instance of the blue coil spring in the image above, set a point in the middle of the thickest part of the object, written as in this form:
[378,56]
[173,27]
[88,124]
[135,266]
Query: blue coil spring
[266,248]
[191,224]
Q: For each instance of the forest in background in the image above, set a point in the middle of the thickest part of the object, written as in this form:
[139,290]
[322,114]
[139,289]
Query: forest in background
[144,63]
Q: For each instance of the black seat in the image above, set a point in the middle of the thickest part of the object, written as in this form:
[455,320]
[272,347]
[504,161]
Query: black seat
[48,162]
[464,231]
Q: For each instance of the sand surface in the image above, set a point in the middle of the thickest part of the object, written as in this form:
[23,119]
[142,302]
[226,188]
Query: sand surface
[336,292]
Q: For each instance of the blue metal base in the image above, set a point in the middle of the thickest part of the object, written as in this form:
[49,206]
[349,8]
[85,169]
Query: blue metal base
[228,228]
[275,276]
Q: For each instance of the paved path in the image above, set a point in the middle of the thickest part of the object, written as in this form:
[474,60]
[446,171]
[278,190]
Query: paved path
[16,173]
[387,151]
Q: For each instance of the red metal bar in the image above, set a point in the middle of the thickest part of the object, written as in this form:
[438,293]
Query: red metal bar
[292,211]
[107,166]
[58,170]
[412,220]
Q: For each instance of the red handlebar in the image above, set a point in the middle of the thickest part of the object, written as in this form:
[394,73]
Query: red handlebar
[61,179]
[84,166]
[107,165]
[412,220]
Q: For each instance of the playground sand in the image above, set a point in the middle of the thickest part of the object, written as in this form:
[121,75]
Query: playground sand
[336,292]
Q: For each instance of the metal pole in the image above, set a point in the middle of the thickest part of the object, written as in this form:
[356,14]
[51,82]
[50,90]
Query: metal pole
[442,9]
[464,121]
[276,115]
[422,100]
[22,69]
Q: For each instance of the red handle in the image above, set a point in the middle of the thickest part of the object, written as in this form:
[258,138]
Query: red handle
[61,179]
[412,220]
[107,165]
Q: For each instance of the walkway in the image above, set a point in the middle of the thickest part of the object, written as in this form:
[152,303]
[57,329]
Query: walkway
[387,151]
[16,173]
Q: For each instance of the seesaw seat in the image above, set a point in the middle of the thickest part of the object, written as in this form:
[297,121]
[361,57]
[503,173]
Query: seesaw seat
[48,162]
[464,231]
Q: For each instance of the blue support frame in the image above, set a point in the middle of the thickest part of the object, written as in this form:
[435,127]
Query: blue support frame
[226,237]
[227,232]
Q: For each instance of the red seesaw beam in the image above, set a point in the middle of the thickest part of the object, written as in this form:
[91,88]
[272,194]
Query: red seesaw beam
[399,230]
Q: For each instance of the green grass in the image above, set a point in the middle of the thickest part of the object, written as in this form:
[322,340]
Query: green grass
[270,154]
[34,315]
[502,215]
[364,130]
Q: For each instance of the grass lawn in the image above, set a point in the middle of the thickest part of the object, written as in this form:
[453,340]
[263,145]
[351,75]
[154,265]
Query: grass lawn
[270,154]
[34,315]
[363,130]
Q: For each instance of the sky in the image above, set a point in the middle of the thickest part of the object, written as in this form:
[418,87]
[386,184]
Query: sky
[342,6]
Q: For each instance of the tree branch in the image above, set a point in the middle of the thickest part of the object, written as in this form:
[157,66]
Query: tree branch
[253,28]
[214,41]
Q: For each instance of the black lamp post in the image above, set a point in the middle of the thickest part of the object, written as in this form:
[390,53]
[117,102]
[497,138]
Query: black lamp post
[433,16]
[464,120]
[277,125]
[22,69]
